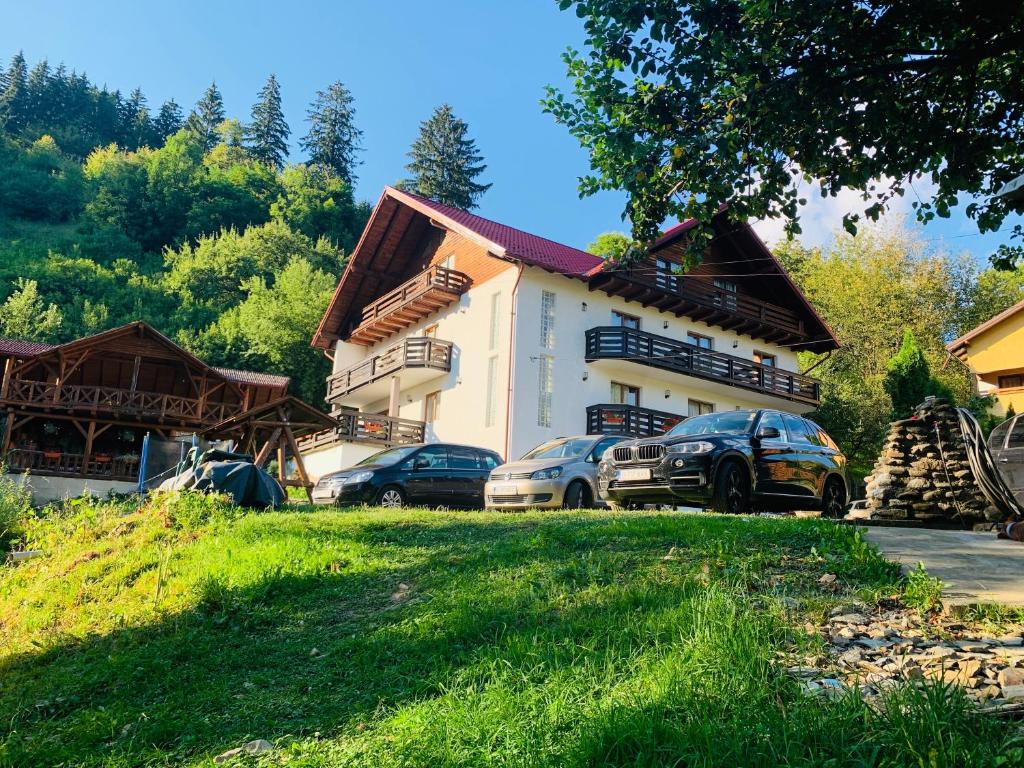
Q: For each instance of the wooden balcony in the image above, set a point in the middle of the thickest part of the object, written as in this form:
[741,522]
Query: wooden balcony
[698,298]
[356,427]
[618,419]
[122,402]
[59,464]
[422,357]
[409,303]
[642,348]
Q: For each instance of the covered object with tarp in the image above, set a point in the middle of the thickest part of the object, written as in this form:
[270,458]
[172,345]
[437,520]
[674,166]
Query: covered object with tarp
[225,472]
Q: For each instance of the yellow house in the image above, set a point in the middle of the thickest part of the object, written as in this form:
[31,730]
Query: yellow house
[994,351]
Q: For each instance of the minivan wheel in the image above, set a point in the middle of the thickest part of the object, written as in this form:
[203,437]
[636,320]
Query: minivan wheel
[391,496]
[833,498]
[576,496]
[732,489]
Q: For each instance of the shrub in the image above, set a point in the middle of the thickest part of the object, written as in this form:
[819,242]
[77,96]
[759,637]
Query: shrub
[15,506]
[190,509]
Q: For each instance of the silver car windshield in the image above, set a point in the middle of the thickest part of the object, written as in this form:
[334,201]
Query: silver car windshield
[735,422]
[566,448]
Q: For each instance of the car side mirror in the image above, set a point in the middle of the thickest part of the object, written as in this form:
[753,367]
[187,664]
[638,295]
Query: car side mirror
[768,433]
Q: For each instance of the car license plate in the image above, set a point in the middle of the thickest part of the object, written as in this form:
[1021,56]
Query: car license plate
[505,490]
[632,475]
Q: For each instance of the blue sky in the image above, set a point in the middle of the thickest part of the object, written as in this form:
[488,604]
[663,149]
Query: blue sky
[490,59]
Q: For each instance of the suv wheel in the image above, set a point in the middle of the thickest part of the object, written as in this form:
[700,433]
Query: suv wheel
[391,496]
[833,498]
[732,489]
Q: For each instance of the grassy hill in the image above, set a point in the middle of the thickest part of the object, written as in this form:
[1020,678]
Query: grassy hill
[167,634]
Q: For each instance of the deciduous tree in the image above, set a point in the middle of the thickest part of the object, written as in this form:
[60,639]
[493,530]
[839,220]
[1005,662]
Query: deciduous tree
[24,315]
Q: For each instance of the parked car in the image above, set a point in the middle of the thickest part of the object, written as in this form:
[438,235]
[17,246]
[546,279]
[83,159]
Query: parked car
[558,473]
[437,474]
[730,461]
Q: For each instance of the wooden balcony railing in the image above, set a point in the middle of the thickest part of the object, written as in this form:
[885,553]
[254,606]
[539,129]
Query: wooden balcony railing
[95,398]
[414,352]
[618,419]
[408,303]
[613,342]
[57,463]
[358,427]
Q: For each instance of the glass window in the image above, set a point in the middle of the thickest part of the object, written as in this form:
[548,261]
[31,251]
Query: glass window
[387,457]
[432,457]
[432,407]
[490,461]
[491,405]
[765,359]
[492,341]
[563,448]
[726,421]
[545,387]
[665,275]
[797,428]
[624,394]
[772,419]
[997,439]
[698,340]
[603,445]
[547,320]
[430,331]
[699,408]
[1017,434]
[1009,382]
[448,262]
[625,321]
[463,458]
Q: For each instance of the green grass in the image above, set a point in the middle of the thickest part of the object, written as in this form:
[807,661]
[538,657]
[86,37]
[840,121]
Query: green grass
[166,635]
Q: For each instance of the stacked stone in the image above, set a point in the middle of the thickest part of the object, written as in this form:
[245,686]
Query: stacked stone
[923,472]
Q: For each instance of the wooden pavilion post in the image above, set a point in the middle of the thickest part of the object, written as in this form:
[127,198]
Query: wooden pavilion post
[8,373]
[90,436]
[8,432]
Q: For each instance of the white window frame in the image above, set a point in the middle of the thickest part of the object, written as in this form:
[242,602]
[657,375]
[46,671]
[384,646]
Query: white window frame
[494,330]
[545,389]
[431,407]
[547,320]
[701,405]
[627,389]
[491,406]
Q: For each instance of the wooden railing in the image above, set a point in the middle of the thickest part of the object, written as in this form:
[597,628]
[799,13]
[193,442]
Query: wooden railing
[414,352]
[62,464]
[366,428]
[706,294]
[617,419]
[435,277]
[95,398]
[613,342]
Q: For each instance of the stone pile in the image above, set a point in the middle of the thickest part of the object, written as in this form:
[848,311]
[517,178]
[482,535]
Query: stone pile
[923,472]
[875,652]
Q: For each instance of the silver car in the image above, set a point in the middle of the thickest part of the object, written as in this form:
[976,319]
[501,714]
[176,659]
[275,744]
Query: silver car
[559,473]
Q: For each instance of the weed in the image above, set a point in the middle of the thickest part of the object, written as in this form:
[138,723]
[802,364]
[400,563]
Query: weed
[922,591]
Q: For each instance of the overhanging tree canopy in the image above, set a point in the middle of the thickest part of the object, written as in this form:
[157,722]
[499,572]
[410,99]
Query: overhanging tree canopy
[687,105]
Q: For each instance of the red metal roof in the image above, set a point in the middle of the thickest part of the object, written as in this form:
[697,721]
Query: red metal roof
[517,244]
[254,377]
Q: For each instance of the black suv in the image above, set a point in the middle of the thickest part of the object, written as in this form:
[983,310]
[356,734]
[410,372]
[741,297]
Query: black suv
[729,461]
[437,474]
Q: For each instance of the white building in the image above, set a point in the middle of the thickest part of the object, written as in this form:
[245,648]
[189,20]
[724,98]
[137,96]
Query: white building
[448,326]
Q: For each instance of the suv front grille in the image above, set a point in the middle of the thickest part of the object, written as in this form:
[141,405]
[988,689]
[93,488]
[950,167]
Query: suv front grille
[623,454]
[650,452]
[639,453]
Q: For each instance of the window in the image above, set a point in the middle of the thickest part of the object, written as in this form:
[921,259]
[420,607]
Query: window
[624,394]
[726,294]
[764,359]
[771,419]
[492,336]
[625,321]
[665,275]
[704,342]
[491,406]
[432,407]
[1016,438]
[725,285]
[545,386]
[463,458]
[489,461]
[431,331]
[448,262]
[432,457]
[1008,382]
[797,428]
[699,408]
[602,446]
[547,320]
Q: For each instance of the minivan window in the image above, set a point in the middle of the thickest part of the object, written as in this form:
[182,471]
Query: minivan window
[463,458]
[490,462]
[388,457]
[434,458]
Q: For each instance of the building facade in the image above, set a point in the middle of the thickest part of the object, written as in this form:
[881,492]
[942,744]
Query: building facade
[994,352]
[448,326]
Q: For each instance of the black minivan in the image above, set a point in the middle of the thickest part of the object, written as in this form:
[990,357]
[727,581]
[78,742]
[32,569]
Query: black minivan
[730,461]
[435,474]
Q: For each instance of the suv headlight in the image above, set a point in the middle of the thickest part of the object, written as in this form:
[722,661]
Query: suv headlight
[701,446]
[547,474]
[358,477]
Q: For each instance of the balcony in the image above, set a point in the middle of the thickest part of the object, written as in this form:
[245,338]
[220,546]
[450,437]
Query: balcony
[617,419]
[700,299]
[121,402]
[409,303]
[356,427]
[661,352]
[59,464]
[418,359]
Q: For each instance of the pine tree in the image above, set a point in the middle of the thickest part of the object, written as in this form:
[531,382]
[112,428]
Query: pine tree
[908,379]
[12,99]
[268,133]
[445,161]
[333,139]
[168,120]
[37,89]
[136,122]
[207,115]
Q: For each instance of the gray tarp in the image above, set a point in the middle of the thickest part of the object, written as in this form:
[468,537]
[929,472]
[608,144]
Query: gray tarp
[231,473]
